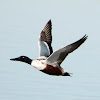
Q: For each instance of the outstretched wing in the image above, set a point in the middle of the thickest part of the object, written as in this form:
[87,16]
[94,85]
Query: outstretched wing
[45,40]
[58,56]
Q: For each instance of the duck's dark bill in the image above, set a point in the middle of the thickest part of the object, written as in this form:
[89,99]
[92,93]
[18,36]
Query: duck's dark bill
[15,59]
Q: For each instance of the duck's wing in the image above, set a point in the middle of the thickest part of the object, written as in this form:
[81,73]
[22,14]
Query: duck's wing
[58,56]
[45,40]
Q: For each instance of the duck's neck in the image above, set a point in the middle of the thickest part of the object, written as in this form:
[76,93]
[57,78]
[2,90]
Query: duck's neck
[28,61]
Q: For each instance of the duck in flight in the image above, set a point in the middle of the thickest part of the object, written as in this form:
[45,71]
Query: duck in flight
[49,62]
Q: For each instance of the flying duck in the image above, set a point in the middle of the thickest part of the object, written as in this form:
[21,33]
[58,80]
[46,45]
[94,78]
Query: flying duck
[49,62]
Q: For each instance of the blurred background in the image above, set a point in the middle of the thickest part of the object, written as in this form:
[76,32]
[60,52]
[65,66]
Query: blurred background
[21,22]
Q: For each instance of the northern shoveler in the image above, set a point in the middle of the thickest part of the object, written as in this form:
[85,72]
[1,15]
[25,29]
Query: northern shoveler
[49,62]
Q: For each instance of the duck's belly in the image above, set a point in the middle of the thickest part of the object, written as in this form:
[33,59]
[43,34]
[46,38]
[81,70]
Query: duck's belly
[48,69]
[52,70]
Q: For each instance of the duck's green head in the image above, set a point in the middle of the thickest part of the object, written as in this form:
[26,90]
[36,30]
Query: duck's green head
[22,59]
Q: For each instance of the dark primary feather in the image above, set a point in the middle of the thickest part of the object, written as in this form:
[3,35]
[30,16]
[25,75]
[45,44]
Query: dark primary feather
[58,56]
[46,35]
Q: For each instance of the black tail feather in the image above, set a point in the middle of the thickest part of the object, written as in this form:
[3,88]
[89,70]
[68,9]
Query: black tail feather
[66,74]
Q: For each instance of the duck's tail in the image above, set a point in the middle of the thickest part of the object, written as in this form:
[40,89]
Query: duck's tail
[66,74]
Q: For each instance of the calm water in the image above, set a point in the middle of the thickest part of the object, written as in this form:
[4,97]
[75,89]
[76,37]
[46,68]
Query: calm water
[20,81]
[21,21]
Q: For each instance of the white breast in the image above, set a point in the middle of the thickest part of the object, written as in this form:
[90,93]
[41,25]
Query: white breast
[38,64]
